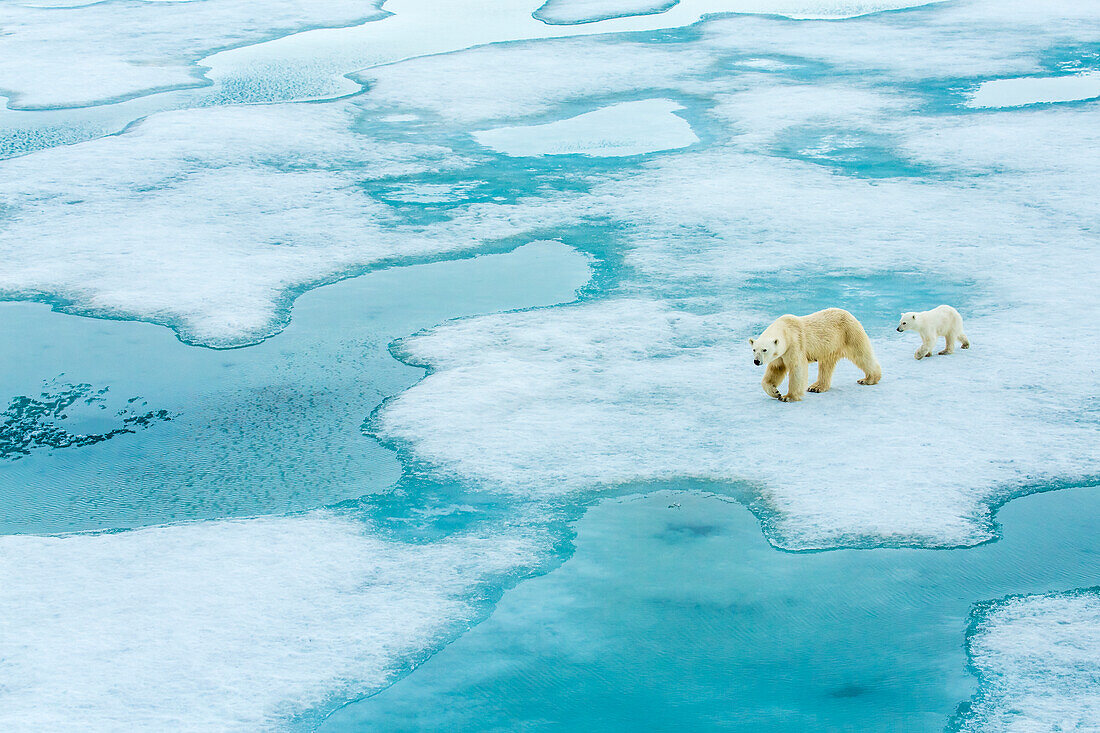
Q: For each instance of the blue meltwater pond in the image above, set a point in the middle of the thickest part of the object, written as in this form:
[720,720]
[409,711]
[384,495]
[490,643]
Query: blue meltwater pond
[674,613]
[266,429]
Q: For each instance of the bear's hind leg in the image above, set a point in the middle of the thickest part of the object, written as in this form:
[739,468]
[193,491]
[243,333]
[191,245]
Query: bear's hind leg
[965,341]
[773,377]
[872,371]
[825,369]
[949,347]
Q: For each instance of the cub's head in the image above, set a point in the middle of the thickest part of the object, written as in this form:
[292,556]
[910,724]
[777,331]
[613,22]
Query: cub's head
[767,347]
[908,321]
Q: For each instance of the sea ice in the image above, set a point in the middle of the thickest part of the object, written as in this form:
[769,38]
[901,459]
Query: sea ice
[203,218]
[655,382]
[318,61]
[629,128]
[1036,657]
[227,625]
[548,404]
[69,55]
[494,83]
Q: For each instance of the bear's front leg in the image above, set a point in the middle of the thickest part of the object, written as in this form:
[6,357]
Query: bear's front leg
[925,349]
[796,385]
[773,377]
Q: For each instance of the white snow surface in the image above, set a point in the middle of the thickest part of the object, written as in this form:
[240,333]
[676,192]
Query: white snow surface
[550,403]
[61,54]
[628,128]
[317,61]
[204,218]
[639,388]
[225,625]
[1036,656]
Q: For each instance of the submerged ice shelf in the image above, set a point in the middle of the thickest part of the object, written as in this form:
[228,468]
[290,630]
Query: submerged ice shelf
[629,128]
[1036,90]
[572,12]
[266,430]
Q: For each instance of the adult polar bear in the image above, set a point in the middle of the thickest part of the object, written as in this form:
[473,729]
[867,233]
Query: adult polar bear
[792,342]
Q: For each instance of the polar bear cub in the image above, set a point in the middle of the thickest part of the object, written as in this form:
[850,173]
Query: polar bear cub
[941,322]
[789,345]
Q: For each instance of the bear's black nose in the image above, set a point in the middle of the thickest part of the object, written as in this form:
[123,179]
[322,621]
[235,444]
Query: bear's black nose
[899,329]
[756,362]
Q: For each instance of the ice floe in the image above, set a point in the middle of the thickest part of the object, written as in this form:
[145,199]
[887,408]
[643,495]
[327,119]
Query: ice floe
[1036,90]
[210,219]
[629,128]
[227,625]
[319,60]
[75,55]
[569,12]
[203,218]
[655,383]
[1036,660]
[547,404]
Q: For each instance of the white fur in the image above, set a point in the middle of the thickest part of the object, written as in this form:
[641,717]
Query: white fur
[940,322]
[791,343]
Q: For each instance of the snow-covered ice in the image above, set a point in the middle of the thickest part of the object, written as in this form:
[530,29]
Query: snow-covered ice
[655,382]
[1036,658]
[227,625]
[203,219]
[318,61]
[67,55]
[818,149]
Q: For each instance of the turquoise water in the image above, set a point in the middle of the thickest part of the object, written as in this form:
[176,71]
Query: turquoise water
[878,298]
[674,613]
[266,429]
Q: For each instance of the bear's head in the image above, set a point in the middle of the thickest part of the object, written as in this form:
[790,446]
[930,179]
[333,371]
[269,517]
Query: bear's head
[908,321]
[767,348]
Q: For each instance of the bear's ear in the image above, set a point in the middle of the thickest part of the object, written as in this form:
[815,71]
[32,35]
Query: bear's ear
[752,341]
[777,342]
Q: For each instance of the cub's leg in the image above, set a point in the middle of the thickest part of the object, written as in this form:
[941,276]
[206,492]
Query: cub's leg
[949,348]
[964,339]
[773,377]
[796,383]
[927,344]
[825,369]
